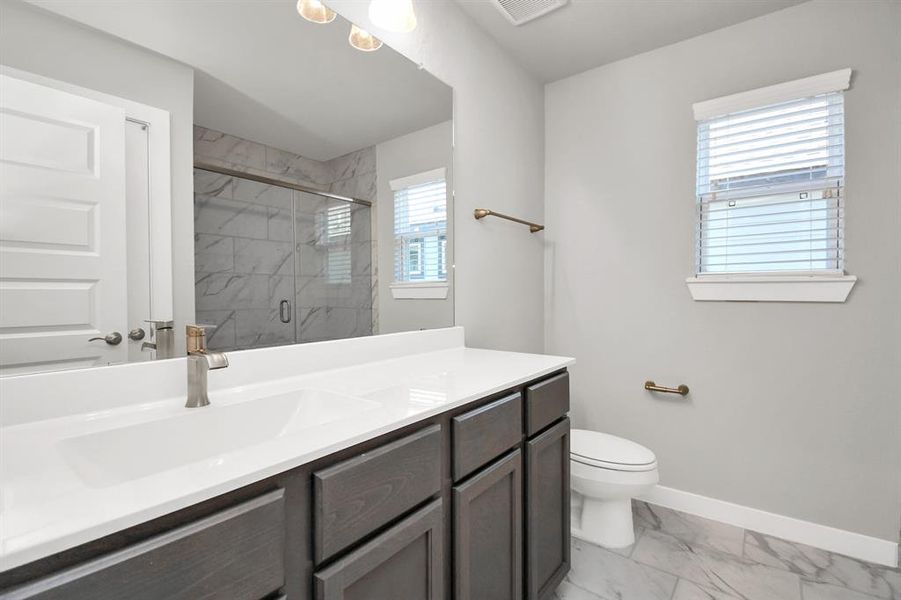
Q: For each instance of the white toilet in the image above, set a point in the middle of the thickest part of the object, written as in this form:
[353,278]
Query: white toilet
[607,472]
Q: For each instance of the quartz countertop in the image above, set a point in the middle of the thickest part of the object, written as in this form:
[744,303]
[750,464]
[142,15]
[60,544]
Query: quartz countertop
[52,496]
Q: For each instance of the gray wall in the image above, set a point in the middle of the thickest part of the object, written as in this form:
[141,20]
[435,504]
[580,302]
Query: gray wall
[40,42]
[423,150]
[498,164]
[794,407]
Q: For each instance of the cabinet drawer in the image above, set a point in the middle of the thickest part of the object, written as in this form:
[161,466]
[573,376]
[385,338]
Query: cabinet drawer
[546,402]
[407,562]
[483,434]
[235,554]
[356,497]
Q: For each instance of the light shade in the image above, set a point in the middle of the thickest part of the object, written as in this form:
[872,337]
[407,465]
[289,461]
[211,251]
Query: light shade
[315,11]
[393,15]
[363,40]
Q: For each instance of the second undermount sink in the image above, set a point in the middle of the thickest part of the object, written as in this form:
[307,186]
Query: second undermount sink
[125,453]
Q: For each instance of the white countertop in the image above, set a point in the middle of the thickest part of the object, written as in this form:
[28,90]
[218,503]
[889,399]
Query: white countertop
[51,499]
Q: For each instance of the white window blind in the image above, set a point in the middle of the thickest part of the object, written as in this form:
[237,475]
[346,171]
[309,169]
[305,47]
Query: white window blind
[420,227]
[770,188]
[335,228]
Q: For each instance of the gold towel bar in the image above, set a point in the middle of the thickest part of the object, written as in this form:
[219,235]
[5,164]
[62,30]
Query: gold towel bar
[481,213]
[653,387]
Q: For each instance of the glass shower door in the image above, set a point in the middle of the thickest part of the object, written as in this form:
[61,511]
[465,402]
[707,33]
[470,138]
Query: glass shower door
[333,258]
[244,261]
[277,266]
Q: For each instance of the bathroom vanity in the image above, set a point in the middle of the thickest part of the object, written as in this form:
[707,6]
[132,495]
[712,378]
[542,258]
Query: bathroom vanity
[449,481]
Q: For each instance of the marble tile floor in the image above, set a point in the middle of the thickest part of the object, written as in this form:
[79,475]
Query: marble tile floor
[677,556]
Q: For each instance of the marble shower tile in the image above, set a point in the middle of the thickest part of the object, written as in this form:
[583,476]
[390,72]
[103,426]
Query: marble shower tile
[716,570]
[824,591]
[361,227]
[255,192]
[364,322]
[823,566]
[312,292]
[300,169]
[213,253]
[263,256]
[228,291]
[207,183]
[280,224]
[239,154]
[570,591]
[220,216]
[686,590]
[689,528]
[361,259]
[613,576]
[353,164]
[222,336]
[327,323]
[281,287]
[257,328]
[362,187]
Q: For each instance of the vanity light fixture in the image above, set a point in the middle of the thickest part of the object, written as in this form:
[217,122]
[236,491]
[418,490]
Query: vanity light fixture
[315,11]
[363,40]
[393,15]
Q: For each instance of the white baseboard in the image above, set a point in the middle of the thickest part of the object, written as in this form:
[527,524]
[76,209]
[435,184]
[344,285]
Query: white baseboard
[855,545]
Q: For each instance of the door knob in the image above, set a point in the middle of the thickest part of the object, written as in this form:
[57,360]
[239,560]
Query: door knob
[136,334]
[112,339]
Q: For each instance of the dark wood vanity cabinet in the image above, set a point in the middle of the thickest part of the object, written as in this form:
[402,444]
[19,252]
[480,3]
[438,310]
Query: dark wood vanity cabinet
[406,561]
[547,510]
[471,504]
[488,532]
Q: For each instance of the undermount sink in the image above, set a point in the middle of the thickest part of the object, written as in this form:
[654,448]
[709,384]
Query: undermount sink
[117,455]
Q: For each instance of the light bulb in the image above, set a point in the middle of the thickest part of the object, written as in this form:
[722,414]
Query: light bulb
[393,15]
[315,11]
[363,40]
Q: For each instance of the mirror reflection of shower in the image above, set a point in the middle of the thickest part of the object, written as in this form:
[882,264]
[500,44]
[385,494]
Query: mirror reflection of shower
[275,265]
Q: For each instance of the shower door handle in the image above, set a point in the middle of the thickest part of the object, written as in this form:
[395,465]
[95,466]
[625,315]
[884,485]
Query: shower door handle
[284,311]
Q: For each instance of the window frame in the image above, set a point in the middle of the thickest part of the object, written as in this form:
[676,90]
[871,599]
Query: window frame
[768,286]
[421,289]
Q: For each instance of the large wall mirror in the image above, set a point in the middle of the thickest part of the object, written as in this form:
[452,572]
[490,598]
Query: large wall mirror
[232,164]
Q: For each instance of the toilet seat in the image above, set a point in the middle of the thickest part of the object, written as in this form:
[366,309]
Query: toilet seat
[605,451]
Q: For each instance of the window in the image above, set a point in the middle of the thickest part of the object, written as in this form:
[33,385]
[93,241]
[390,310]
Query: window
[420,229]
[337,222]
[771,185]
[335,227]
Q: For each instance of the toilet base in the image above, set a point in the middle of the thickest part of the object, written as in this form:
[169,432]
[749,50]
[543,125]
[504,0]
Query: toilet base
[606,523]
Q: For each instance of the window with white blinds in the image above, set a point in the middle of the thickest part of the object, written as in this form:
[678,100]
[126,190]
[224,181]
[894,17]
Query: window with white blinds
[770,188]
[335,228]
[420,227]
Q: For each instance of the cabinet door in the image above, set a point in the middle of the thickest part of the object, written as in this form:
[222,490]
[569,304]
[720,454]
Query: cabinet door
[407,561]
[547,510]
[488,532]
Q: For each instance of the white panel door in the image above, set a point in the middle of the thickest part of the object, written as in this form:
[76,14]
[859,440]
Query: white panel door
[62,229]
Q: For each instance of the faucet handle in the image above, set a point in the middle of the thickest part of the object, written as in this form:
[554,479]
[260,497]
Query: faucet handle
[196,337]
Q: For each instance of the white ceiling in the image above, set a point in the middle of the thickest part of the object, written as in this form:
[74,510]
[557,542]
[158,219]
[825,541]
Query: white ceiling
[265,74]
[588,33]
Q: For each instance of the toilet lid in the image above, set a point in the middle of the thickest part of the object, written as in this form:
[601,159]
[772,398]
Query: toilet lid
[610,452]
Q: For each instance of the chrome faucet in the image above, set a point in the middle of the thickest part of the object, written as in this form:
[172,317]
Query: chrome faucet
[200,362]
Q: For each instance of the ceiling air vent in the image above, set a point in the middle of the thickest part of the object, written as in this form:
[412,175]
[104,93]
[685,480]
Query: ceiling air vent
[523,11]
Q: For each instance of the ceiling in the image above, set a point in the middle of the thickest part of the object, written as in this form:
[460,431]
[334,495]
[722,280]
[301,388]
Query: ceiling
[265,74]
[589,33]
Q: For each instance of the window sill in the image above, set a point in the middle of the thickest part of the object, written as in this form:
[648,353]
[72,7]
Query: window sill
[425,290]
[771,288]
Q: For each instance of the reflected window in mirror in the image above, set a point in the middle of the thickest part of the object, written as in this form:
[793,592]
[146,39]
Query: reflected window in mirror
[420,227]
